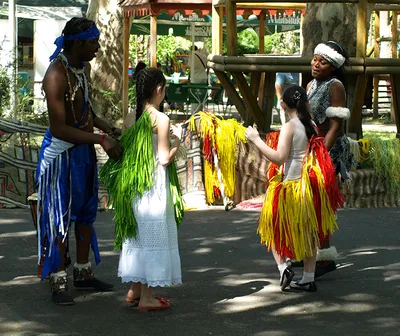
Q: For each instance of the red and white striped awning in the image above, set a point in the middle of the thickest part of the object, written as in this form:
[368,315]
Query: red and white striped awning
[188,7]
[154,7]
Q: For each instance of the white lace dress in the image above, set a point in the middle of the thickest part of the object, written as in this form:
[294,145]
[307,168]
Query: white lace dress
[153,256]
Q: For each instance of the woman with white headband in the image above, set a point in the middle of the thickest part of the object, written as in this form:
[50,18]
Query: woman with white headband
[327,97]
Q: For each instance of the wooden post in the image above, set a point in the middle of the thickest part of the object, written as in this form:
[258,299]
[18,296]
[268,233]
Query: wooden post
[395,107]
[268,98]
[153,40]
[262,33]
[217,34]
[231,28]
[231,92]
[125,79]
[396,101]
[394,34]
[355,122]
[377,29]
[253,110]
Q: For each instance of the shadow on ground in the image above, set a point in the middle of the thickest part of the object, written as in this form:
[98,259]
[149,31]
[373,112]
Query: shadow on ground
[230,283]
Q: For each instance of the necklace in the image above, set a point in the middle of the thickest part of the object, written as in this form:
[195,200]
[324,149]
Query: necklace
[81,83]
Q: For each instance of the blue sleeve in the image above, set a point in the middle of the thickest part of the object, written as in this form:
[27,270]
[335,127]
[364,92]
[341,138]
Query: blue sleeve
[280,78]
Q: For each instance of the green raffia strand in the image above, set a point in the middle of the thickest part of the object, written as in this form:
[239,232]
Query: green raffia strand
[384,157]
[130,176]
[176,193]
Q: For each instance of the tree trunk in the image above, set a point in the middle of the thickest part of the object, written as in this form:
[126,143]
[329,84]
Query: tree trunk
[333,21]
[107,66]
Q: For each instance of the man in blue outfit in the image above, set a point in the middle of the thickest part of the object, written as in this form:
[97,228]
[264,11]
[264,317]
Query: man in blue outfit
[67,171]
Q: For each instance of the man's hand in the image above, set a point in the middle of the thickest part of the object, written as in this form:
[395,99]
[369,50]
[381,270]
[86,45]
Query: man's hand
[116,132]
[112,148]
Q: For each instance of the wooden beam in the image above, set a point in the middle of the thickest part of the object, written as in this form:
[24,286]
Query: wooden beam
[261,90]
[309,1]
[377,52]
[125,66]
[253,110]
[255,78]
[394,34]
[217,33]
[355,125]
[231,92]
[388,7]
[231,28]
[355,121]
[153,41]
[396,101]
[268,98]
[362,28]
[277,5]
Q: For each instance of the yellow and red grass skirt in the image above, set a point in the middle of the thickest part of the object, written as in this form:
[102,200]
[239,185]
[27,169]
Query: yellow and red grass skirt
[297,214]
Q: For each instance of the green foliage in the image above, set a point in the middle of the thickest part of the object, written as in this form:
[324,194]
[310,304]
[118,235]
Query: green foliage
[167,46]
[286,43]
[248,42]
[4,91]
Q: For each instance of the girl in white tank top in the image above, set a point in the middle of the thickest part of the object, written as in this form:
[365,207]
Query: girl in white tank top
[291,221]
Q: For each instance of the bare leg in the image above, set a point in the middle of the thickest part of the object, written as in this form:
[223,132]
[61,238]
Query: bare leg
[279,260]
[309,263]
[61,250]
[83,274]
[307,282]
[146,297]
[286,274]
[134,291]
[83,236]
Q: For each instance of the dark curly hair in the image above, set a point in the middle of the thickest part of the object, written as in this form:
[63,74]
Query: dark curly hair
[339,72]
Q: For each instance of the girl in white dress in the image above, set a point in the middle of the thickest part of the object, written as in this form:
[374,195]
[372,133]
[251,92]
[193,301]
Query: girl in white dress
[151,258]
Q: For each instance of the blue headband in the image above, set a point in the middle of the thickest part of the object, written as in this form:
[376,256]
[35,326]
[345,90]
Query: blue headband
[88,34]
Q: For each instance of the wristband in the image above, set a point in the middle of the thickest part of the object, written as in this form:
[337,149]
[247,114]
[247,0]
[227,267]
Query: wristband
[102,139]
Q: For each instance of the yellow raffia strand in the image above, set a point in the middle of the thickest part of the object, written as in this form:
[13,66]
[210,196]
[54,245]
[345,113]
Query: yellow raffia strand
[224,136]
[227,153]
[328,217]
[296,215]
[210,180]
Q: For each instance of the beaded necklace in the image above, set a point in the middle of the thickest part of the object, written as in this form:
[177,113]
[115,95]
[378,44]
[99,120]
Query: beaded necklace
[81,83]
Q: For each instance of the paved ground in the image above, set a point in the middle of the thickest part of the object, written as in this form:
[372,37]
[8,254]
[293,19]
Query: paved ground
[230,283]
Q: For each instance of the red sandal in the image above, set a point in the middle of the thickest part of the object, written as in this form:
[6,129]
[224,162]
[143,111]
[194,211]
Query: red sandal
[164,305]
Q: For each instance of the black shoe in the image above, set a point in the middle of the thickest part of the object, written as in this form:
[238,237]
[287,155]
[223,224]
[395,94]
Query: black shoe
[308,286]
[287,276]
[62,298]
[323,267]
[94,284]
[297,263]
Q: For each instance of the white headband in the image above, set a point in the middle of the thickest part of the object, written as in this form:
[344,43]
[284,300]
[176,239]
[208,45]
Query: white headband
[330,54]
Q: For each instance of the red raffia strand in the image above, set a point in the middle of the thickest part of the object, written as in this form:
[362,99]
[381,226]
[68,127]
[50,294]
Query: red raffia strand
[317,145]
[317,201]
[207,148]
[272,140]
[280,242]
[217,192]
